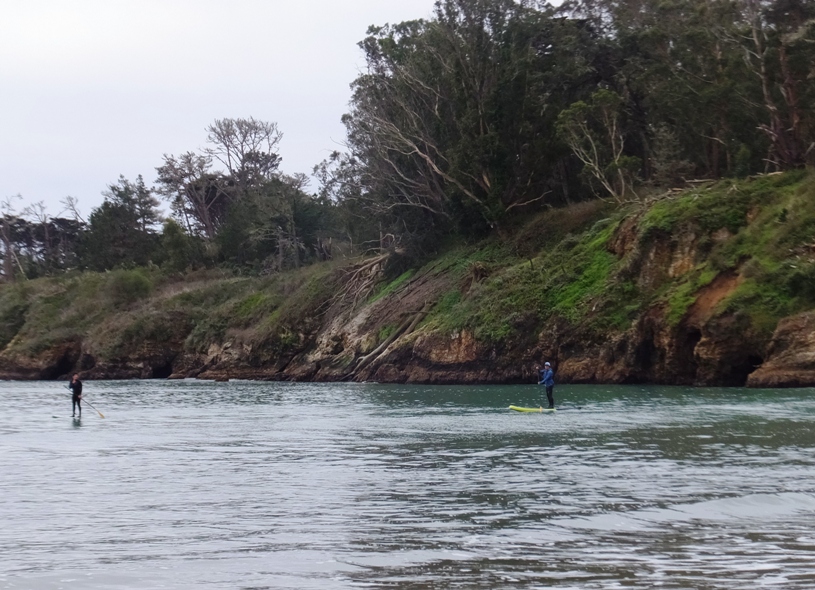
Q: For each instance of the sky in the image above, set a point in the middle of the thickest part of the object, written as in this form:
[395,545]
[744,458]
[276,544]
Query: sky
[93,89]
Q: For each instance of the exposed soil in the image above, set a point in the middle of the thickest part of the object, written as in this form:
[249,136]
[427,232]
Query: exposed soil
[710,296]
[353,334]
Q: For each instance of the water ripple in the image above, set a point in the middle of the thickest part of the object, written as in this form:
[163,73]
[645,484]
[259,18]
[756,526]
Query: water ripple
[259,485]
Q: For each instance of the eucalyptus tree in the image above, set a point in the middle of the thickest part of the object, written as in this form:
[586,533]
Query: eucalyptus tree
[778,40]
[41,228]
[731,82]
[594,132]
[453,122]
[247,148]
[278,226]
[10,219]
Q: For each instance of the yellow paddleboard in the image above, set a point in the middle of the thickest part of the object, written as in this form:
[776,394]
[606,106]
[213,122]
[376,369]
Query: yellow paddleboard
[539,410]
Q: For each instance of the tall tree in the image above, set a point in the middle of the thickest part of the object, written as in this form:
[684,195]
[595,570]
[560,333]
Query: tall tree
[453,122]
[594,132]
[200,195]
[247,148]
[121,231]
[11,260]
[278,226]
[778,38]
[713,73]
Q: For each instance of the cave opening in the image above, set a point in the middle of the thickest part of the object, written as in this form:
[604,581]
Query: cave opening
[686,352]
[162,371]
[645,354]
[63,368]
[739,371]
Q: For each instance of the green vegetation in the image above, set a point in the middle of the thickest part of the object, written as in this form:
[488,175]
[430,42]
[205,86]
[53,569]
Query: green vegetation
[13,307]
[127,286]
[385,333]
[589,270]
[582,281]
[118,312]
[520,293]
[599,272]
[575,102]
[683,295]
[590,98]
[550,194]
[393,286]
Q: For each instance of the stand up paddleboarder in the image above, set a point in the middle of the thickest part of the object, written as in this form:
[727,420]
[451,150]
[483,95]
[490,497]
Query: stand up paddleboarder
[547,378]
[76,399]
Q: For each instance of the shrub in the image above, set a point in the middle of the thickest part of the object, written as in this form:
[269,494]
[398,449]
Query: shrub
[13,305]
[128,286]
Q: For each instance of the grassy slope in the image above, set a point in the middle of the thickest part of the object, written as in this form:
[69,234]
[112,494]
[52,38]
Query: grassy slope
[115,312]
[769,238]
[558,264]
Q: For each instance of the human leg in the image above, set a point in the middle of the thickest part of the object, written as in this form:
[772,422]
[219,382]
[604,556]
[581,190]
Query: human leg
[550,395]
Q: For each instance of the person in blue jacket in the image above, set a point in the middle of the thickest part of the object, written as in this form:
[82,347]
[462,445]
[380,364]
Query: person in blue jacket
[547,378]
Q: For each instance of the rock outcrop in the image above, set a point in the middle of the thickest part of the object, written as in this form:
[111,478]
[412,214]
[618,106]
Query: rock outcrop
[682,328]
[791,355]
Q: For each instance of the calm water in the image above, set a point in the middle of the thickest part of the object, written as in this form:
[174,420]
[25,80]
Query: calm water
[259,485]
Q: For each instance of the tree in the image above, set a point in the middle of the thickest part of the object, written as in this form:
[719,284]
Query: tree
[452,125]
[278,226]
[201,196]
[777,38]
[593,130]
[715,72]
[66,235]
[10,258]
[180,251]
[50,242]
[197,196]
[121,231]
[34,243]
[247,148]
[341,183]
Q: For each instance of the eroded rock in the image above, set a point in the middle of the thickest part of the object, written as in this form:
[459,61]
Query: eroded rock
[790,355]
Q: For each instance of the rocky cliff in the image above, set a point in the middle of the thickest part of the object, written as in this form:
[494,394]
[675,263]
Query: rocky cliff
[711,286]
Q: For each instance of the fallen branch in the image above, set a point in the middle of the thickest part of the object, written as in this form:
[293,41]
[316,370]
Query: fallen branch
[405,328]
[362,279]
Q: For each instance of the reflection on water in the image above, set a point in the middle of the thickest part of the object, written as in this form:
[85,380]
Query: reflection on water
[261,485]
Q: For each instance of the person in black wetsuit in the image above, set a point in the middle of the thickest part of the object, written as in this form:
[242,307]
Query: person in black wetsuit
[547,378]
[76,399]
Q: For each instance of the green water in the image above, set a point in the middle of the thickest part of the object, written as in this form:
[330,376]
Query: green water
[262,485]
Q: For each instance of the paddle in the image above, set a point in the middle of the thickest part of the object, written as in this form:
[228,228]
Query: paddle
[101,415]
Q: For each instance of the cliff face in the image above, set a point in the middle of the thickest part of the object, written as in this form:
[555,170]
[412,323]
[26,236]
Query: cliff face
[715,286]
[790,355]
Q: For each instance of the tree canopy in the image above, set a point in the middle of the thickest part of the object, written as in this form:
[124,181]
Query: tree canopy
[496,107]
[463,123]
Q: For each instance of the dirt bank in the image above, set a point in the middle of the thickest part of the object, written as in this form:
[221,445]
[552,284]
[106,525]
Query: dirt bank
[709,287]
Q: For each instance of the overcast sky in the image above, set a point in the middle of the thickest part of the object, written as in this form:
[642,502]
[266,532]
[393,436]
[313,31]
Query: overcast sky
[93,89]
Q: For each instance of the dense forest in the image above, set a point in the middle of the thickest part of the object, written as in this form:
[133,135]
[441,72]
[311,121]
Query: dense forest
[462,126]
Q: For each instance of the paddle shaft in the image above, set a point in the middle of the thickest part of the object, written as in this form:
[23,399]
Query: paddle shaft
[101,415]
[82,399]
